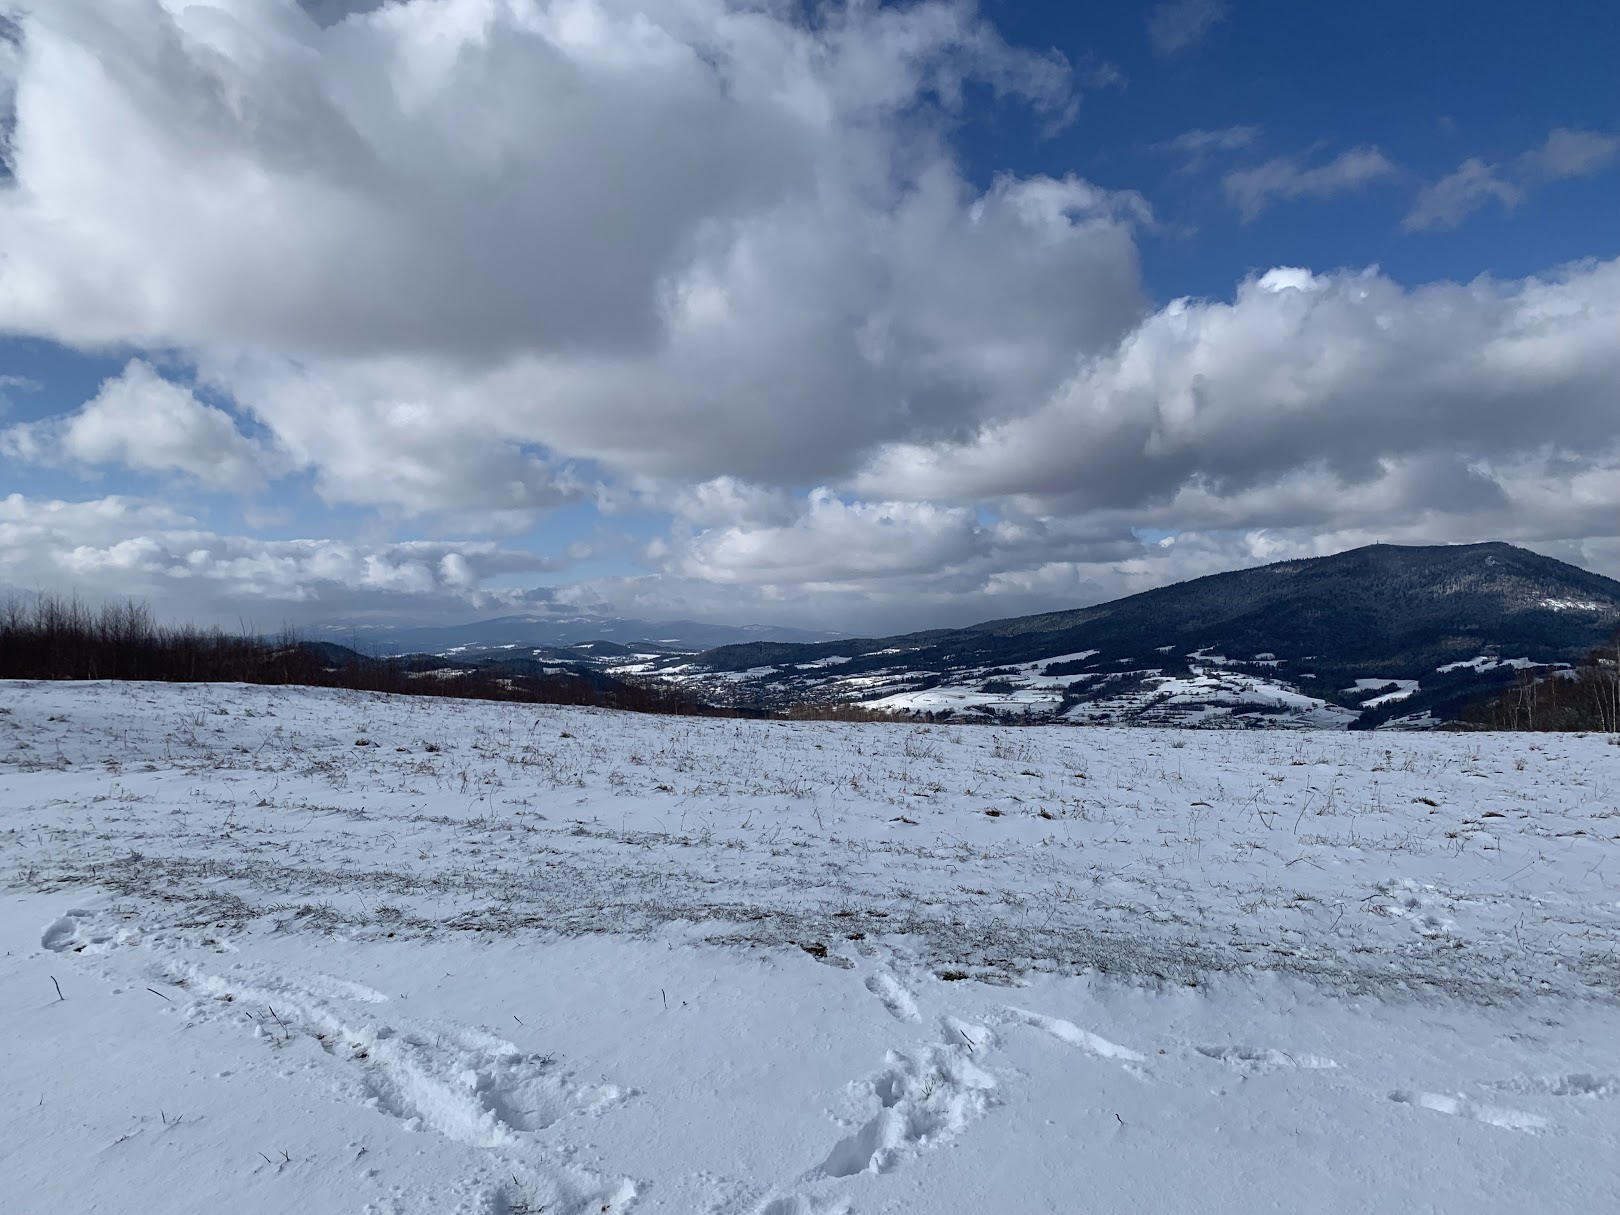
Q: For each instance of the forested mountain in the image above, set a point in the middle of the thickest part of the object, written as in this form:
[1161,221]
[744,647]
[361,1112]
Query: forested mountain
[1368,635]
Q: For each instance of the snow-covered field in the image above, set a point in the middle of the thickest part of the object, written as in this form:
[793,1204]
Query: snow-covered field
[326,952]
[1213,692]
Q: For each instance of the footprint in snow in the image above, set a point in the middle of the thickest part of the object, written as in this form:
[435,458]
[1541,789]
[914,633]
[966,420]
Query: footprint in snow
[78,931]
[901,1004]
[1462,1107]
[1067,1031]
[798,1204]
[774,1202]
[466,1084]
[925,1097]
[1258,1060]
[1572,1084]
[463,1083]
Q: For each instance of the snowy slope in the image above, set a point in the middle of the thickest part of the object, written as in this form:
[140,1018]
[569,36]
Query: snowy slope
[1439,627]
[505,959]
[1212,691]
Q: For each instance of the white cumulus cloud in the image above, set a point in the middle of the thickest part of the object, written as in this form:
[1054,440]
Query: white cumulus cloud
[118,547]
[462,262]
[141,420]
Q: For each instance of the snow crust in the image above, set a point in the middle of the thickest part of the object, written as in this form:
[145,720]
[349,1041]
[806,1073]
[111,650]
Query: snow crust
[332,952]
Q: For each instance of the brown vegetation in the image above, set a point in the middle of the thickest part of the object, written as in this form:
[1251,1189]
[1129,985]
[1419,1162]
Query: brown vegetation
[1586,697]
[51,637]
[837,710]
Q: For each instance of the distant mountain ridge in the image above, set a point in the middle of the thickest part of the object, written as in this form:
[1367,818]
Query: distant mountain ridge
[524,632]
[1364,636]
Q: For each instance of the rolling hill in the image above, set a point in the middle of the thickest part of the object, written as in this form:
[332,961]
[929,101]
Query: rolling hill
[506,634]
[1377,635]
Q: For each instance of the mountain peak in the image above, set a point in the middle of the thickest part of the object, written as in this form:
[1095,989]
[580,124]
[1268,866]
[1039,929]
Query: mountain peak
[1354,636]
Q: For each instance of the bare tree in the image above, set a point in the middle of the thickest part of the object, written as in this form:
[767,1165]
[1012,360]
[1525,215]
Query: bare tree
[1604,679]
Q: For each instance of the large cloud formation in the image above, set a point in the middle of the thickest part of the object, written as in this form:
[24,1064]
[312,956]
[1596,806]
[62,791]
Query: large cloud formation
[144,422]
[472,259]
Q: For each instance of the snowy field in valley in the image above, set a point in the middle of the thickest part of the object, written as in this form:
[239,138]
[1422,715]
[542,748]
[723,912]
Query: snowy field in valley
[268,950]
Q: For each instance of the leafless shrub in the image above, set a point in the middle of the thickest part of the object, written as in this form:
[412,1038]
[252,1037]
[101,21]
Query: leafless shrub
[1586,697]
[54,637]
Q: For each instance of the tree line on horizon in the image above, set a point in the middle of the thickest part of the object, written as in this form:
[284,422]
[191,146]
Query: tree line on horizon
[1585,697]
[54,637]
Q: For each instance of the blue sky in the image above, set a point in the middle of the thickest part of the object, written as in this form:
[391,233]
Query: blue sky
[911,315]
[1431,85]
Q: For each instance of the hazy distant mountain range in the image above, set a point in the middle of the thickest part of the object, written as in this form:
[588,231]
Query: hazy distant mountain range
[1384,635]
[507,633]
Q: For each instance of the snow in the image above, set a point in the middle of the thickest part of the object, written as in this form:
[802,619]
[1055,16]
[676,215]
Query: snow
[960,699]
[1387,698]
[1402,688]
[1032,691]
[1077,656]
[515,959]
[1213,698]
[1411,721]
[1487,663]
[1572,605]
